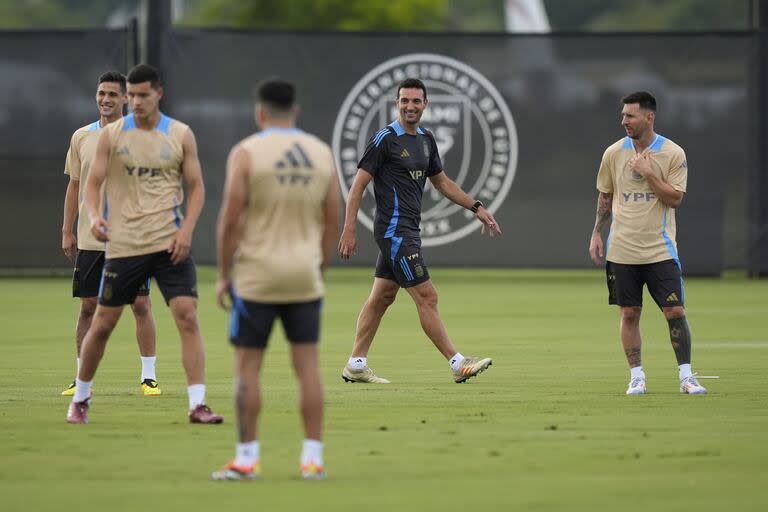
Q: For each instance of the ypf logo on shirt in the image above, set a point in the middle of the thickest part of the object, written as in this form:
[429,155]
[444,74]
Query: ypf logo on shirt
[473,127]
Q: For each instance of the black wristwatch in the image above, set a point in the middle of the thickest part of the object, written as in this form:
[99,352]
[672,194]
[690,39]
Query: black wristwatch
[476,206]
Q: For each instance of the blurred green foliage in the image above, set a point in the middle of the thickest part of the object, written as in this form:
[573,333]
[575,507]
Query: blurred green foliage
[20,14]
[406,15]
[320,14]
[642,15]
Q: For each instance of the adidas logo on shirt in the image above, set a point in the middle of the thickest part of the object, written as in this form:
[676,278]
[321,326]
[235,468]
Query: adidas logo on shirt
[405,154]
[294,158]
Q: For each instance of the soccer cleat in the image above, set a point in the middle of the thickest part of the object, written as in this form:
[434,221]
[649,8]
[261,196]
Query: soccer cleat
[78,412]
[365,375]
[203,414]
[636,386]
[234,473]
[70,391]
[691,386]
[470,367]
[312,471]
[150,388]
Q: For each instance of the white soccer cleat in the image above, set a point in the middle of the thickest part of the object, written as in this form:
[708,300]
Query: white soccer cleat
[691,386]
[350,374]
[471,367]
[636,386]
[234,473]
[312,471]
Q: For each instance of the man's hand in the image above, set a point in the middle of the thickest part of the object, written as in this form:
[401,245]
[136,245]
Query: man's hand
[489,223]
[180,246]
[69,245]
[100,229]
[347,244]
[641,163]
[596,249]
[224,293]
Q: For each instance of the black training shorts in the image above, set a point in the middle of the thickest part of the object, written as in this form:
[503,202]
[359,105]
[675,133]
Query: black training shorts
[400,260]
[86,278]
[123,278]
[251,322]
[664,280]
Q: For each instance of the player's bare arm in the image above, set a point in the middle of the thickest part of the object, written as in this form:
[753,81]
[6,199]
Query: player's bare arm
[229,228]
[97,173]
[331,212]
[602,218]
[68,238]
[452,191]
[348,240]
[663,190]
[192,173]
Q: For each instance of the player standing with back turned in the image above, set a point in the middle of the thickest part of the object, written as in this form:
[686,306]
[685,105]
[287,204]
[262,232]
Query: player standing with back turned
[278,225]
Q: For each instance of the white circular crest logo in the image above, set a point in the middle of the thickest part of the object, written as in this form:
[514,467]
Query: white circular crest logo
[473,127]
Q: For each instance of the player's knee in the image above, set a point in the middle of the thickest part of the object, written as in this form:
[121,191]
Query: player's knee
[87,309]
[186,320]
[631,314]
[674,312]
[387,299]
[103,324]
[141,307]
[427,298]
[383,299]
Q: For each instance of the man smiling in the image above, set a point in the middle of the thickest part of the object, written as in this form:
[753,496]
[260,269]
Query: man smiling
[87,253]
[143,159]
[399,159]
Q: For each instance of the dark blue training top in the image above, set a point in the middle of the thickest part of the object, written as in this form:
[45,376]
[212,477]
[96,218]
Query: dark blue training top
[400,164]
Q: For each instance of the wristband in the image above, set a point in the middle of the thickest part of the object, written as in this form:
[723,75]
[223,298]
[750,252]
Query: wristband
[476,206]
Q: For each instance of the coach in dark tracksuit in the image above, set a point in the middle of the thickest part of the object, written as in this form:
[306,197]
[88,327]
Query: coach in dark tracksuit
[399,158]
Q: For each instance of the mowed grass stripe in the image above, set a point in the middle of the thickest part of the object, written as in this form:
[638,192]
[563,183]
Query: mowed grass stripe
[547,427]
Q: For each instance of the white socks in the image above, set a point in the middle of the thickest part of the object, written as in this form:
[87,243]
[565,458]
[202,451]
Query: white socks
[82,390]
[357,363]
[685,371]
[312,451]
[196,393]
[456,361]
[247,454]
[636,372]
[148,368]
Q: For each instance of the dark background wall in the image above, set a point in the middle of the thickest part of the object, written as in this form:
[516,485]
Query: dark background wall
[562,92]
[47,91]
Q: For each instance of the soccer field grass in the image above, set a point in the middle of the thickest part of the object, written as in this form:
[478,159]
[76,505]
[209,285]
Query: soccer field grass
[547,427]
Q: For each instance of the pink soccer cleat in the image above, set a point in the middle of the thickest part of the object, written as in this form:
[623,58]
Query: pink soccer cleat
[78,412]
[203,414]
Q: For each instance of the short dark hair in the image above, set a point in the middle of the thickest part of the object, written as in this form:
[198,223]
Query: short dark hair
[113,76]
[411,83]
[144,73]
[276,94]
[644,98]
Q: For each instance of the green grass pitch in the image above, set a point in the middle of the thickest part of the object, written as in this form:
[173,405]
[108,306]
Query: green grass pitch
[547,427]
